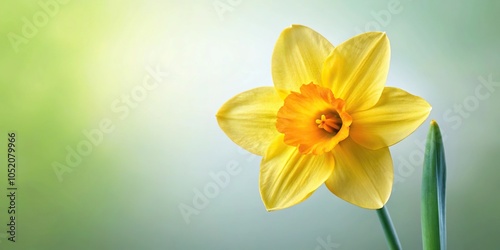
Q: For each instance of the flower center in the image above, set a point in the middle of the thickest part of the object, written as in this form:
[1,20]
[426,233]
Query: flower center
[313,120]
[330,123]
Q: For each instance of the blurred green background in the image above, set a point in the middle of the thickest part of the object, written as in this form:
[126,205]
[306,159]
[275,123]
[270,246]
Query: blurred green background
[133,87]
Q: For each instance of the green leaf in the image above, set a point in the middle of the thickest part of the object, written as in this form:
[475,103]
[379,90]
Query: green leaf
[433,191]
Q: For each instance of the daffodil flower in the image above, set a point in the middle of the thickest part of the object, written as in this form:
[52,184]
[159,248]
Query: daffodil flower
[328,119]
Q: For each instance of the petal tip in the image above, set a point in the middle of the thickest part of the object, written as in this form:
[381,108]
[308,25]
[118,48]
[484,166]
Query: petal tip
[291,27]
[374,206]
[270,209]
[382,34]
[294,25]
[267,206]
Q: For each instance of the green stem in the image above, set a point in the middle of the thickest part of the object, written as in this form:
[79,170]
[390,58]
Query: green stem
[389,230]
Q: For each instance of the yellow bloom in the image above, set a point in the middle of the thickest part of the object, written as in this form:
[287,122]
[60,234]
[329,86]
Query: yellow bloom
[329,119]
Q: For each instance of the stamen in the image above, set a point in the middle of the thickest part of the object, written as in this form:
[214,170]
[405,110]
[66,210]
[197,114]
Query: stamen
[331,124]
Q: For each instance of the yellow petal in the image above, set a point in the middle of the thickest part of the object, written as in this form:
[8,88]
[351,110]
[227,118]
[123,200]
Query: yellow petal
[357,69]
[288,177]
[396,115]
[297,59]
[361,176]
[249,118]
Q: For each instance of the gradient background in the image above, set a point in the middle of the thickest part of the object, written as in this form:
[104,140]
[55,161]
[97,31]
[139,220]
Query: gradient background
[126,193]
